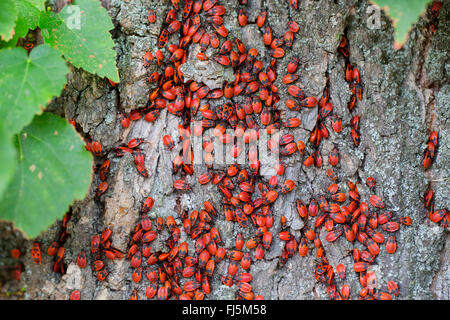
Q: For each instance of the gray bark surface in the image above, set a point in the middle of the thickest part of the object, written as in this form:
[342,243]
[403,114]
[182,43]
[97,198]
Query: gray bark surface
[406,95]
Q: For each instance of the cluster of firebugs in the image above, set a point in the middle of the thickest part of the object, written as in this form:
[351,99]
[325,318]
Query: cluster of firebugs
[182,274]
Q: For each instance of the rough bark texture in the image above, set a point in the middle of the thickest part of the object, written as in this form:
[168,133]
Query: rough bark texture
[405,96]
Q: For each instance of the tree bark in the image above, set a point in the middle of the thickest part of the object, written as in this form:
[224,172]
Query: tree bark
[405,96]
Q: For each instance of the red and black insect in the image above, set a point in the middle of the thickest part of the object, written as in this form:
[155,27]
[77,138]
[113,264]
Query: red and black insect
[163,38]
[241,217]
[168,142]
[391,245]
[333,235]
[36,253]
[95,246]
[393,288]
[102,274]
[151,16]
[53,249]
[333,157]
[81,259]
[142,170]
[181,185]
[242,18]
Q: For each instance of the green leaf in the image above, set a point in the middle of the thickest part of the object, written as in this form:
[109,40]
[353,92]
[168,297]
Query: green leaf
[28,14]
[8,15]
[28,83]
[81,33]
[53,169]
[7,158]
[403,14]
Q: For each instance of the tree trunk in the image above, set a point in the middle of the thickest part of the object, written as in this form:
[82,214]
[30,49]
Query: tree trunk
[405,97]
